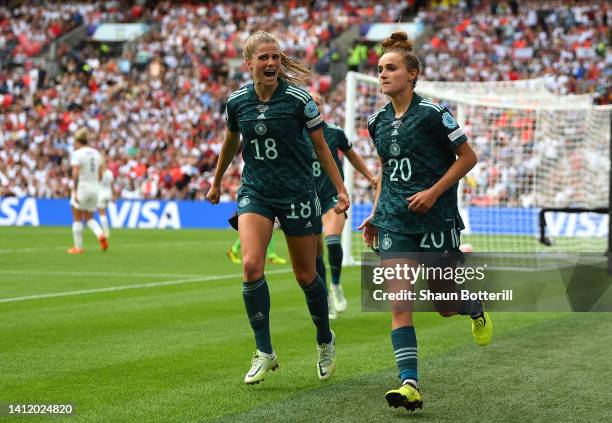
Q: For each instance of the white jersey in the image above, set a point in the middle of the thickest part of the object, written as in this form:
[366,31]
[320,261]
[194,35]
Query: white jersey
[106,189]
[88,160]
[106,184]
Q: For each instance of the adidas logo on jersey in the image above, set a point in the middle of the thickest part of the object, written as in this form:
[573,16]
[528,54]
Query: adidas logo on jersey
[395,132]
[308,225]
[261,116]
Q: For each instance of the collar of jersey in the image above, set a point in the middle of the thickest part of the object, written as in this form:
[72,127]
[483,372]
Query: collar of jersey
[416,99]
[279,88]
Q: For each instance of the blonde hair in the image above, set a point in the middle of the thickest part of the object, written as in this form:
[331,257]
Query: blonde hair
[399,43]
[292,70]
[82,136]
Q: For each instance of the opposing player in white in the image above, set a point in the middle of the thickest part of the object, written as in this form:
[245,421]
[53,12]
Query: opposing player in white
[86,175]
[105,196]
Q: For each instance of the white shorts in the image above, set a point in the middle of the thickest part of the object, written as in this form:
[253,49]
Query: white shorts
[104,198]
[86,198]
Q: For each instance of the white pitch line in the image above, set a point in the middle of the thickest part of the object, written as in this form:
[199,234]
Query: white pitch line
[126,287]
[120,274]
[118,246]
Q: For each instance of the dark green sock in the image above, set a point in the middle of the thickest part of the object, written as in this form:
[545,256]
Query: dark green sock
[472,308]
[321,271]
[405,349]
[334,254]
[257,302]
[316,299]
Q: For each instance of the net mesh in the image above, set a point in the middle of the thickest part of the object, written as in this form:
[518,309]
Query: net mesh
[536,150]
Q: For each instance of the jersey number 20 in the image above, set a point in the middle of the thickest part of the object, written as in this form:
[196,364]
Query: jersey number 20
[405,171]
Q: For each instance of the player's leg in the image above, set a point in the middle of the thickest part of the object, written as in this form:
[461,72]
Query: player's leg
[322,272]
[333,224]
[302,252]
[77,232]
[94,226]
[103,201]
[399,250]
[255,232]
[271,255]
[442,251]
[234,252]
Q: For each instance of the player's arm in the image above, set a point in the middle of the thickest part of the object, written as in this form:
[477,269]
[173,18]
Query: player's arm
[228,152]
[358,163]
[422,201]
[370,232]
[329,165]
[75,176]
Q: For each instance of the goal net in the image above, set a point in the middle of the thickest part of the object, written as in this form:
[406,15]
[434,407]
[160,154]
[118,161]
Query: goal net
[542,180]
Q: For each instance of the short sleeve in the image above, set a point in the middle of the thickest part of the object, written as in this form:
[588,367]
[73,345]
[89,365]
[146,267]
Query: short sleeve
[372,128]
[311,115]
[344,144]
[74,159]
[230,118]
[448,130]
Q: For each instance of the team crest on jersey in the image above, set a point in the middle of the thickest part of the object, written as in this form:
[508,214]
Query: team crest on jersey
[449,121]
[395,149]
[244,202]
[260,128]
[386,242]
[311,110]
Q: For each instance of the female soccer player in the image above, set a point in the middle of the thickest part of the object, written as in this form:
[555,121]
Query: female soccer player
[271,113]
[86,175]
[333,223]
[423,154]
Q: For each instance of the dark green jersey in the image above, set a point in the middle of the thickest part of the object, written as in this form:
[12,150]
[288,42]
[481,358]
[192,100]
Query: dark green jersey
[416,151]
[276,154]
[336,140]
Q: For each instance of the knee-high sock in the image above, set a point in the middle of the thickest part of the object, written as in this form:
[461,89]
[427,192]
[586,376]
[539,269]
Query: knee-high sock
[316,299]
[334,251]
[321,271]
[257,303]
[105,225]
[77,234]
[405,349]
[95,228]
[472,308]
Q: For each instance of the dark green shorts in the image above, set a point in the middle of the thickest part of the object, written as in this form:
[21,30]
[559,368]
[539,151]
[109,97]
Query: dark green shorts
[393,244]
[296,219]
[328,203]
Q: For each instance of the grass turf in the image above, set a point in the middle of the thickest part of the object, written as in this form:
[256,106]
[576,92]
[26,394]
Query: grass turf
[155,330]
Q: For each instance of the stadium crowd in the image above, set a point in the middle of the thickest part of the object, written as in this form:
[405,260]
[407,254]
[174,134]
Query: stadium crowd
[158,109]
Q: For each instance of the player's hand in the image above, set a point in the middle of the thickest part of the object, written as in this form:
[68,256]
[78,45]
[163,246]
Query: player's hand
[214,194]
[370,232]
[343,203]
[422,201]
[373,182]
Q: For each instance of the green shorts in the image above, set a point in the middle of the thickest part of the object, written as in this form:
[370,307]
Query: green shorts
[328,203]
[394,244]
[296,219]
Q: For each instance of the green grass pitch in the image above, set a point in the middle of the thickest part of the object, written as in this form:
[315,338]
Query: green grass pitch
[155,330]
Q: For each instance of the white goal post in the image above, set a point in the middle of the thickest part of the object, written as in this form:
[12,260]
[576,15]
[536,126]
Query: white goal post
[537,152]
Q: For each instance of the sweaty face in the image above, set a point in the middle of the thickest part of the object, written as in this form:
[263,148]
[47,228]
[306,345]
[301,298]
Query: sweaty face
[393,74]
[265,63]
